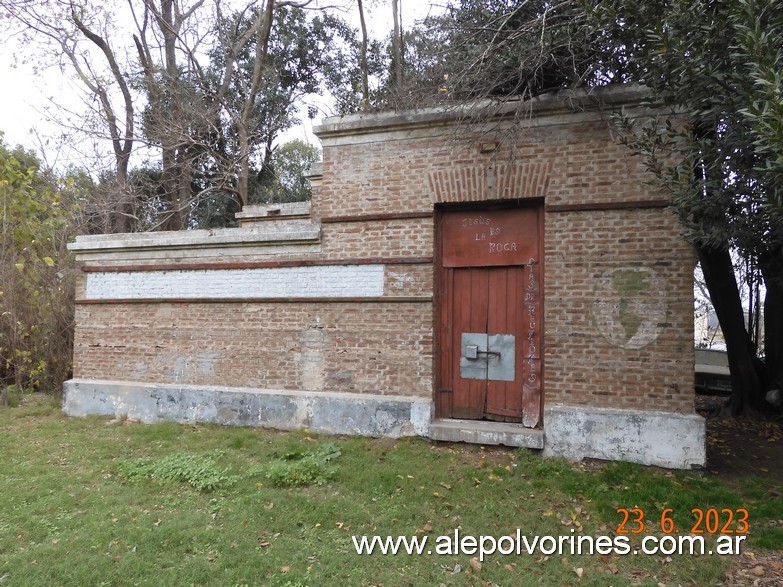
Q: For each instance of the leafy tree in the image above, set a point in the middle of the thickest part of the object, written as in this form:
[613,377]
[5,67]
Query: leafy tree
[284,178]
[718,66]
[36,272]
[306,54]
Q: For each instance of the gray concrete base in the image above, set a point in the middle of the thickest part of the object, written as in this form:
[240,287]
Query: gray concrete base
[575,432]
[330,413]
[676,441]
[484,432]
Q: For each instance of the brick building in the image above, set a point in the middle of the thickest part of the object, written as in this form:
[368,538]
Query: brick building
[512,281]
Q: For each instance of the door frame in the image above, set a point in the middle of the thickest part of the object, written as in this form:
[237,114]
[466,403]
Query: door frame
[442,394]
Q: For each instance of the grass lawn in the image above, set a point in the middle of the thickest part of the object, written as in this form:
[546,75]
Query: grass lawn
[89,502]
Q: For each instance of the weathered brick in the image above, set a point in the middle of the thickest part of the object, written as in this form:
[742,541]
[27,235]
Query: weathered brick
[387,185]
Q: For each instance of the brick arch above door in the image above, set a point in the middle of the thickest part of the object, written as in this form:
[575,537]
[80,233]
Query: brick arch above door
[494,181]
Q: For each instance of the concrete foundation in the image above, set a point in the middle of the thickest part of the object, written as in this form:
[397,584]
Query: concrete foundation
[665,439]
[330,413]
[650,438]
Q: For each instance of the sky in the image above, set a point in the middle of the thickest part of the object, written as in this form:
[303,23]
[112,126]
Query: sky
[24,99]
[28,93]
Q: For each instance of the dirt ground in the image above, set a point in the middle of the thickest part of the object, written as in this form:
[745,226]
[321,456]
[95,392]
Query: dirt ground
[737,449]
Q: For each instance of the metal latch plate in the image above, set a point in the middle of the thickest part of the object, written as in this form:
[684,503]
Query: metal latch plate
[488,356]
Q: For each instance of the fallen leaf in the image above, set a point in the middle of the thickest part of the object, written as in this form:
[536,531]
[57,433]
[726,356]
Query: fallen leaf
[579,571]
[285,568]
[758,571]
[264,543]
[476,564]
[613,568]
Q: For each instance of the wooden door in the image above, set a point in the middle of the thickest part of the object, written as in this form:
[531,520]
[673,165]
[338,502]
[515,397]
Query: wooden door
[489,324]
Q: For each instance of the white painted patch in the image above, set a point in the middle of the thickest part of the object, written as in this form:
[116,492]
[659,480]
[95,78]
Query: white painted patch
[338,281]
[401,279]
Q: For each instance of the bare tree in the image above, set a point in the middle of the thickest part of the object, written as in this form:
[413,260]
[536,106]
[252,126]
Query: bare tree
[185,78]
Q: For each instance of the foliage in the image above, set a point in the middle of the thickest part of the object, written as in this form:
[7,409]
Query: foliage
[283,179]
[199,471]
[299,468]
[36,273]
[718,82]
[306,54]
[716,66]
[492,49]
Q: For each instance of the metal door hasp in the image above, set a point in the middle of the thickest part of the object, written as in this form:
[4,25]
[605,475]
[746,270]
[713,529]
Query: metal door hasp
[488,357]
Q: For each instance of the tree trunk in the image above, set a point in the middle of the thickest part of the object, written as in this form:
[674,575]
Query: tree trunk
[746,382]
[772,271]
[122,143]
[363,65]
[171,135]
[397,44]
[243,130]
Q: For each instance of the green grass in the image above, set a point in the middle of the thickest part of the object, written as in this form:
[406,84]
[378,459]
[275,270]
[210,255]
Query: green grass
[86,502]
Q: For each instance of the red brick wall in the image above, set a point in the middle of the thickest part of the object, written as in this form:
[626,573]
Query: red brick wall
[370,348]
[570,162]
[581,366]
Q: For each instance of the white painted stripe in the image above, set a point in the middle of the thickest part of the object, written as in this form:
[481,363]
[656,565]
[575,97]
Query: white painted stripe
[350,281]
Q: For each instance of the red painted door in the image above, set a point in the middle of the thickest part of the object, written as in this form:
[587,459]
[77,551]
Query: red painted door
[489,315]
